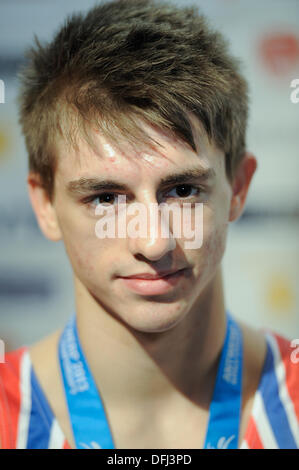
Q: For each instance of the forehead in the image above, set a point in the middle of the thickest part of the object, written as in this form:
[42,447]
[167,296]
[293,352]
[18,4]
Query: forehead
[99,156]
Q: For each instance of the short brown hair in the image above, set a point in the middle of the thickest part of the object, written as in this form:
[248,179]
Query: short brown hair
[133,58]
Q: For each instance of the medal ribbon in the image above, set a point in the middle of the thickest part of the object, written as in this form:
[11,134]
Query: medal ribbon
[87,414]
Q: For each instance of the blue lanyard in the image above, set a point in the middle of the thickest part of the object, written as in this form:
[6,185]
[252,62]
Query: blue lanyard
[225,408]
[86,410]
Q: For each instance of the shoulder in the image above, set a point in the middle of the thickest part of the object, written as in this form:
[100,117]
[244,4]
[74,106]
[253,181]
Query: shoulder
[26,420]
[274,421]
[44,359]
[12,387]
[281,376]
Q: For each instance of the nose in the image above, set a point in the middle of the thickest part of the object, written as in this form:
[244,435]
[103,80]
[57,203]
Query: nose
[156,239]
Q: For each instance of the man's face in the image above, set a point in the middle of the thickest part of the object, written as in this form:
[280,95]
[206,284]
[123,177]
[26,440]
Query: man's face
[100,265]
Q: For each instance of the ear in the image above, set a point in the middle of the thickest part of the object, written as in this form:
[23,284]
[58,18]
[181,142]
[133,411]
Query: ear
[43,208]
[240,185]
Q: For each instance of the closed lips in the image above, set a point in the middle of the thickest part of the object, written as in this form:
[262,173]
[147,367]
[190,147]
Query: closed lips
[152,277]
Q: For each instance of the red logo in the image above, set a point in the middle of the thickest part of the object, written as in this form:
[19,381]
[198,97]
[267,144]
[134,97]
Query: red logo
[280,53]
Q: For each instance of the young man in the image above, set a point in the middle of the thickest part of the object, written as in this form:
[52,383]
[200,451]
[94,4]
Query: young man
[142,100]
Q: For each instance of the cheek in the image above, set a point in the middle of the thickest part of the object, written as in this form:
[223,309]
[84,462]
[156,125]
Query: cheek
[92,260]
[87,253]
[214,242]
[81,253]
[216,220]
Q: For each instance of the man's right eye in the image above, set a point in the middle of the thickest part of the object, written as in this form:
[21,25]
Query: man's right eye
[103,198]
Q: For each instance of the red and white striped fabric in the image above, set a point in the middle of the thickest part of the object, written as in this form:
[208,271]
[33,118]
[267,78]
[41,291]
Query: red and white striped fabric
[27,421]
[274,421]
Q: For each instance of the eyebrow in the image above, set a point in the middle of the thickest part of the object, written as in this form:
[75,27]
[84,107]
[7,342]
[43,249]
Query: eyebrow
[89,185]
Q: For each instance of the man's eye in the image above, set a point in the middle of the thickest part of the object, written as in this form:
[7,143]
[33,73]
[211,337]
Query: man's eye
[183,191]
[104,199]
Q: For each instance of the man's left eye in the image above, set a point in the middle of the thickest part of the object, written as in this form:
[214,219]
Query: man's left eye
[183,190]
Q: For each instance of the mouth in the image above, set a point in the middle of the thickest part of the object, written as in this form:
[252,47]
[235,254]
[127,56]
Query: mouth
[159,275]
[153,284]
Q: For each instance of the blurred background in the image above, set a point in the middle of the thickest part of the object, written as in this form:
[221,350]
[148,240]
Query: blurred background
[261,263]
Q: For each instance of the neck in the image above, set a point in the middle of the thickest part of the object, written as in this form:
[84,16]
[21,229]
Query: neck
[130,366]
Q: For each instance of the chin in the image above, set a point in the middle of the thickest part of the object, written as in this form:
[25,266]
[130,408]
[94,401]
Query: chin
[157,324]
